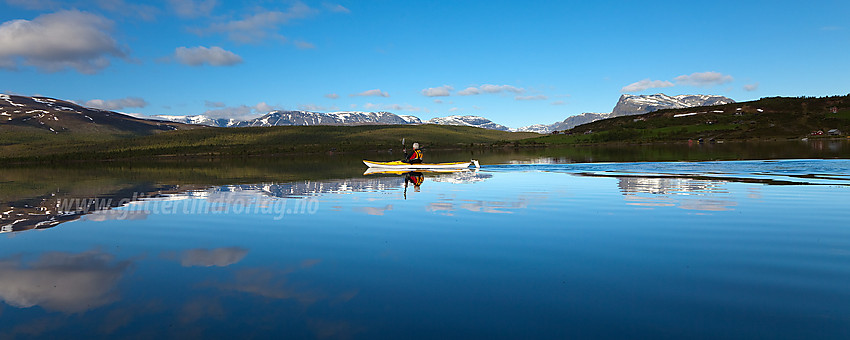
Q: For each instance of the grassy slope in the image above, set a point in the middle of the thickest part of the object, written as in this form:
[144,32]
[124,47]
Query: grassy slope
[781,118]
[258,141]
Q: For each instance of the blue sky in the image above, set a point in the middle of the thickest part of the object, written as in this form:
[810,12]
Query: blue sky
[514,62]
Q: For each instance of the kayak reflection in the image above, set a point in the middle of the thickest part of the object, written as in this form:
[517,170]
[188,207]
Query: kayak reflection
[416,178]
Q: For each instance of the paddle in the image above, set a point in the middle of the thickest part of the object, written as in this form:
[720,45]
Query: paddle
[403,152]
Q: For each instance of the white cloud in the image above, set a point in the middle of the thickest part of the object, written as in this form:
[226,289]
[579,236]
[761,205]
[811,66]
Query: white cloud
[116,104]
[337,8]
[7,64]
[703,79]
[241,112]
[260,26]
[645,85]
[144,12]
[392,107]
[219,257]
[501,88]
[192,8]
[405,107]
[437,101]
[238,112]
[371,93]
[332,96]
[35,4]
[536,97]
[453,109]
[64,282]
[489,88]
[196,56]
[441,91]
[57,41]
[262,107]
[303,45]
[317,108]
[208,103]
[751,87]
[559,102]
[469,91]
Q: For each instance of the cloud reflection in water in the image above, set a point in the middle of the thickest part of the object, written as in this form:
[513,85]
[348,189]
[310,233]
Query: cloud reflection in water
[63,282]
[219,257]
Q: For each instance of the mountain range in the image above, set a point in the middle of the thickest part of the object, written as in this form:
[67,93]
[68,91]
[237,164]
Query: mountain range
[626,105]
[286,118]
[45,113]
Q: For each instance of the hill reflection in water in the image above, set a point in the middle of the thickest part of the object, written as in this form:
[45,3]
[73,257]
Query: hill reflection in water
[49,210]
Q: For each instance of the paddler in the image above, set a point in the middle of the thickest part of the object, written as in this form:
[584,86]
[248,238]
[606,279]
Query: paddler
[414,156]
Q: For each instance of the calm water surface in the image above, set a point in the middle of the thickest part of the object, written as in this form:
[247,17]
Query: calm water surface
[527,249]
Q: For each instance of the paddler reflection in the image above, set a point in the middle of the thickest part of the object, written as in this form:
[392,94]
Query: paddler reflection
[414,177]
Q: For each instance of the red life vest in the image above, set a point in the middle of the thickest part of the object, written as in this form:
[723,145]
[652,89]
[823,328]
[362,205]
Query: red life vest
[415,155]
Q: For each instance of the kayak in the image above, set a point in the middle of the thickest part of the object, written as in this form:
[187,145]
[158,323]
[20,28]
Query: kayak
[417,166]
[394,171]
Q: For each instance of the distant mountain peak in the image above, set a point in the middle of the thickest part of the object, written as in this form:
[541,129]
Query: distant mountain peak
[630,104]
[639,104]
[468,120]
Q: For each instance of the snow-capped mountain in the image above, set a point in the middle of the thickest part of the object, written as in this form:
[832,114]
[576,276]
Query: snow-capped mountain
[277,118]
[199,120]
[633,105]
[566,124]
[283,118]
[411,119]
[475,121]
[48,115]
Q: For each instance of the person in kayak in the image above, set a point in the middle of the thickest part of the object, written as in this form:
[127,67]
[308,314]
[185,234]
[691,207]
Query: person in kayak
[414,156]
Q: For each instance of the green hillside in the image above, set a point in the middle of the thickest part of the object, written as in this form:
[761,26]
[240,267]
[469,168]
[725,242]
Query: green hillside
[776,118]
[256,141]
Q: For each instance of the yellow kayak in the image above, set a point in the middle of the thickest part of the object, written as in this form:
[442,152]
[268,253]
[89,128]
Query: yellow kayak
[392,171]
[424,166]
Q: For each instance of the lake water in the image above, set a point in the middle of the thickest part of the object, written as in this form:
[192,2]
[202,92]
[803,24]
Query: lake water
[529,246]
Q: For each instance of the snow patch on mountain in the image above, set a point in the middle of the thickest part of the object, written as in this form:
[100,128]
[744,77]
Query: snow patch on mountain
[475,121]
[411,119]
